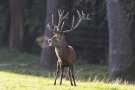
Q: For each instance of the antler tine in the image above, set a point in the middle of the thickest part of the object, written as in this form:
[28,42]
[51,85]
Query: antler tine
[60,19]
[48,26]
[81,17]
[65,17]
[62,26]
[59,11]
[78,14]
[73,22]
[87,18]
[53,21]
[62,13]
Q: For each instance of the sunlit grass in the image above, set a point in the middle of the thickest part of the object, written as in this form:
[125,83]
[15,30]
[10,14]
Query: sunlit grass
[12,81]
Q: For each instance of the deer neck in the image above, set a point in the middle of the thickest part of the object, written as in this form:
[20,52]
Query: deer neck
[63,50]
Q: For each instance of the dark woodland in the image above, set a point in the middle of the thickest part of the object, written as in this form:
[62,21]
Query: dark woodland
[107,39]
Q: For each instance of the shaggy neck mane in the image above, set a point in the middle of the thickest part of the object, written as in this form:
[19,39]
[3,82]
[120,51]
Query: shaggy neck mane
[63,50]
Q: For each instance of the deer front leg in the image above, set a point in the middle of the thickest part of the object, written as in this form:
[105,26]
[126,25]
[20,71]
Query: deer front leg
[62,68]
[57,72]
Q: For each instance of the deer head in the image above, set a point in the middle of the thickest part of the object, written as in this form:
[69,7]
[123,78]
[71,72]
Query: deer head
[58,37]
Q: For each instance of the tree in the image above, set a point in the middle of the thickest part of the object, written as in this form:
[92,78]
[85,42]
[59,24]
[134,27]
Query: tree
[121,53]
[16,29]
[48,57]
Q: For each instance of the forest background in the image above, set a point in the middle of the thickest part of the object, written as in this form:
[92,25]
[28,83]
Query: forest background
[107,39]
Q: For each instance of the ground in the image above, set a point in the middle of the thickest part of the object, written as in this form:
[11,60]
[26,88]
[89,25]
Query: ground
[22,71]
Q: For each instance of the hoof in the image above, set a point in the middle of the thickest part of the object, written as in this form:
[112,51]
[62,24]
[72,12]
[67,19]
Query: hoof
[71,84]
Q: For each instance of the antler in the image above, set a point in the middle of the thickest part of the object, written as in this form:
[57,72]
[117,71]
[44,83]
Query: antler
[61,18]
[81,17]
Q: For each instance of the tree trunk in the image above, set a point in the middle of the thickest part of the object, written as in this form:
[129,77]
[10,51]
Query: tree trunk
[16,29]
[121,54]
[48,57]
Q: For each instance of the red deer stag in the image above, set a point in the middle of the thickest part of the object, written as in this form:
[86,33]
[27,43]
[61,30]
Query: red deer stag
[65,53]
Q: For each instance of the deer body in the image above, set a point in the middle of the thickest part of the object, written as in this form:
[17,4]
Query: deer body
[66,56]
[65,53]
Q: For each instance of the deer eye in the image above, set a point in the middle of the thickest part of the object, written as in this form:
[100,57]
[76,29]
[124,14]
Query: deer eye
[56,38]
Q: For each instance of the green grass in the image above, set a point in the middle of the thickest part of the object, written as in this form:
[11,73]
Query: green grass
[34,77]
[12,81]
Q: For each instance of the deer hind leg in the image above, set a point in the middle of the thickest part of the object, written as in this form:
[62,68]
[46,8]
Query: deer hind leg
[69,75]
[62,69]
[57,72]
[72,74]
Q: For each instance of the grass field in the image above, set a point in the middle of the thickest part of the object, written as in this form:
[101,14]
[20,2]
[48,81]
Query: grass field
[14,75]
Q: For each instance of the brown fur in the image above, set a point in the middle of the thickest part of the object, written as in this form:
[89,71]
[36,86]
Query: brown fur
[66,56]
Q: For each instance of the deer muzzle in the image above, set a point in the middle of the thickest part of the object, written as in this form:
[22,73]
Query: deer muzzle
[50,42]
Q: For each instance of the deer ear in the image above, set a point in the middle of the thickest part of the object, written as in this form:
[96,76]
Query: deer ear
[54,33]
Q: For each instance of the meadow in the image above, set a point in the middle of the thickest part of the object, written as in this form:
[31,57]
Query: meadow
[22,71]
